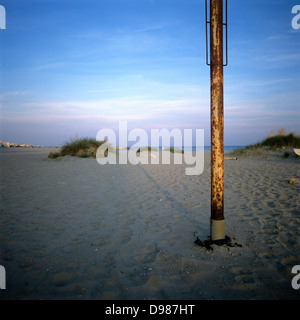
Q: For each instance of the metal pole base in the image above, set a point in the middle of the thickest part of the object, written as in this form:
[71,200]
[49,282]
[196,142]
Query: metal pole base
[217,229]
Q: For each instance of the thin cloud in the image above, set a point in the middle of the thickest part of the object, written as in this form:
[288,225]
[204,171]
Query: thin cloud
[12,94]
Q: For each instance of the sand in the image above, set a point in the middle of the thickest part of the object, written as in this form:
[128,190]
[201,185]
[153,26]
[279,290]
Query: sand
[73,229]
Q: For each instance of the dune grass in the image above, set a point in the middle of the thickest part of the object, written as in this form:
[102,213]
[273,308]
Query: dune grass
[274,142]
[175,150]
[149,149]
[280,141]
[82,147]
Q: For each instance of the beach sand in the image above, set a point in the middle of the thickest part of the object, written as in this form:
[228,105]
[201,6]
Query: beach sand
[74,229]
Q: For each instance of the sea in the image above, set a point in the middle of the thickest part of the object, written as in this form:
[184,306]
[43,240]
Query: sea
[194,148]
[208,148]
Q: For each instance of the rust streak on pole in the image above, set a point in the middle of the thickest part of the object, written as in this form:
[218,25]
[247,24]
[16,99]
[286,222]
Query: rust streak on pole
[217,123]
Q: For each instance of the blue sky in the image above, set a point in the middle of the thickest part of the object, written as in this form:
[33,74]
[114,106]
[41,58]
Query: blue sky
[72,67]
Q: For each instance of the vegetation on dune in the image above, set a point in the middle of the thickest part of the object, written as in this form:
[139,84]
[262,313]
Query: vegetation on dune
[175,150]
[87,148]
[171,149]
[83,148]
[146,149]
[275,141]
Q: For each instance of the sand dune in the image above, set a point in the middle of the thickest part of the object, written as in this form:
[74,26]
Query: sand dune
[73,229]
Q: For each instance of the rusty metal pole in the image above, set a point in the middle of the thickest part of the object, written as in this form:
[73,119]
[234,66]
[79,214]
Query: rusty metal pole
[217,221]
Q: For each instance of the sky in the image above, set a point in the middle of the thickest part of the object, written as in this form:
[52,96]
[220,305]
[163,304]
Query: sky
[72,67]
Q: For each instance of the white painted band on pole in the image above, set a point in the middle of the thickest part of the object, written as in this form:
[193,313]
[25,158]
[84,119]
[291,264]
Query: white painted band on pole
[217,229]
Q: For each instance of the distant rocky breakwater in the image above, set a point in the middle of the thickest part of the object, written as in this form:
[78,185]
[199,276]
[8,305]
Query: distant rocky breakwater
[16,145]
